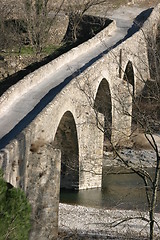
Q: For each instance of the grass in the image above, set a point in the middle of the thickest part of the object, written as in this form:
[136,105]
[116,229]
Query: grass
[49,49]
[27,50]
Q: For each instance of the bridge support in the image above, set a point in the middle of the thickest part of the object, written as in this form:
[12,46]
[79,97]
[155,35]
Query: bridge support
[90,152]
[121,113]
[43,192]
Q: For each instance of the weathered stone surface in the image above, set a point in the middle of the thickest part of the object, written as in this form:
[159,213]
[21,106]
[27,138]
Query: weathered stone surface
[43,191]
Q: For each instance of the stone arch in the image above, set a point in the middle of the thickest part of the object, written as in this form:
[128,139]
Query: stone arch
[129,75]
[103,105]
[66,140]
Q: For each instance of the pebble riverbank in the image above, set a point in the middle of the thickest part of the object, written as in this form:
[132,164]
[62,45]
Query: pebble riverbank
[79,222]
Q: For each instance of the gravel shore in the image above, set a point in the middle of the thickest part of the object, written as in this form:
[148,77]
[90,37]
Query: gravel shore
[79,222]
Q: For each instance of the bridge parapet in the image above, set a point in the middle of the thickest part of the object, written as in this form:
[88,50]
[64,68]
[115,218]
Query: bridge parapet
[39,75]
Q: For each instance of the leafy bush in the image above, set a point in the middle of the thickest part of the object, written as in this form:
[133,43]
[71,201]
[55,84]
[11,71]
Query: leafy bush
[14,212]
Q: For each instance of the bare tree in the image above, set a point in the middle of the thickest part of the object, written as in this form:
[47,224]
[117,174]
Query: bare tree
[76,10]
[9,26]
[12,37]
[40,16]
[146,117]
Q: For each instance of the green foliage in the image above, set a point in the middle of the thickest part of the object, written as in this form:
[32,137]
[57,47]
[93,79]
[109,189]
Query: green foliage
[49,49]
[14,213]
[26,50]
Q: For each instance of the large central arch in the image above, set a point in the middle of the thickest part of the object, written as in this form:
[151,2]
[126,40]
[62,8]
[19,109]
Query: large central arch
[66,140]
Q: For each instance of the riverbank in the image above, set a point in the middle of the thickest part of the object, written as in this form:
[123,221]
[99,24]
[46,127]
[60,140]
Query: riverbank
[79,222]
[88,223]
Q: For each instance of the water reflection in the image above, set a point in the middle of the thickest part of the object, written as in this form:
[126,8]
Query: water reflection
[121,191]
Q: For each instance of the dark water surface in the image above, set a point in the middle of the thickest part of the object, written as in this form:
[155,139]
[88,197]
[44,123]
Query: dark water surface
[119,190]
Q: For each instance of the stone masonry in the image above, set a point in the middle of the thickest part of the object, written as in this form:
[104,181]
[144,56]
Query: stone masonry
[67,127]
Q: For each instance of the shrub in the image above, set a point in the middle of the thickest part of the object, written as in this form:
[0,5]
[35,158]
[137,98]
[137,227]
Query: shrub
[14,212]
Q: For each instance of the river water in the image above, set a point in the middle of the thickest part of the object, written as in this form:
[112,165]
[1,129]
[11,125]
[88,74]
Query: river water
[120,190]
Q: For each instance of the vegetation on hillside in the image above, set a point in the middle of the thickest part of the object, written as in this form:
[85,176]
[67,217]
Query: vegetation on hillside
[29,28]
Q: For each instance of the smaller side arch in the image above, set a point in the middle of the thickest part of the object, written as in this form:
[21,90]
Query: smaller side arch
[129,75]
[103,105]
[66,140]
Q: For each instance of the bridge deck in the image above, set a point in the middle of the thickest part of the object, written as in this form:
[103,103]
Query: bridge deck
[17,112]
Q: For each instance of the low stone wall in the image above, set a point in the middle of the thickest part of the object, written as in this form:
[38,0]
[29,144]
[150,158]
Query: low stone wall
[42,73]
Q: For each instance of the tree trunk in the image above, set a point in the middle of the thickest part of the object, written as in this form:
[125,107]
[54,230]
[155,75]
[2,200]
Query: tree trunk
[154,197]
[151,215]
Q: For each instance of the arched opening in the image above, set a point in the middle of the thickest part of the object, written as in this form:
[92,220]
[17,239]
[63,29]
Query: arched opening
[129,78]
[103,105]
[66,141]
[129,75]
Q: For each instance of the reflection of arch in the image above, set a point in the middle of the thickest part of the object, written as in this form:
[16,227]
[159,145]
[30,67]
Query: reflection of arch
[66,141]
[103,105]
[129,75]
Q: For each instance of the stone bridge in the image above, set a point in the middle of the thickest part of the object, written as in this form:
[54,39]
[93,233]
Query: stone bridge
[52,121]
